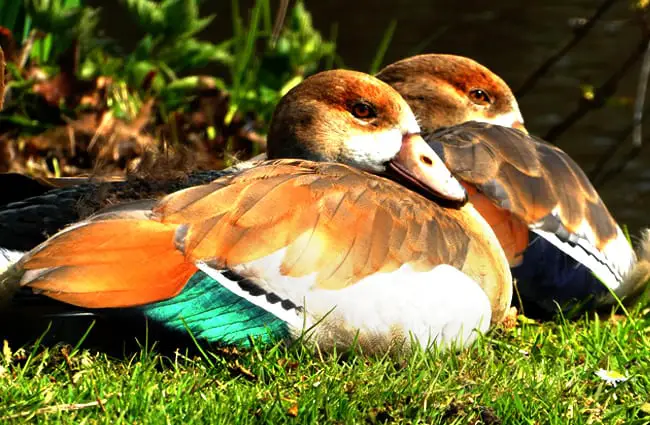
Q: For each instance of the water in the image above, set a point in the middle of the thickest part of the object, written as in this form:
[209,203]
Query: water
[512,38]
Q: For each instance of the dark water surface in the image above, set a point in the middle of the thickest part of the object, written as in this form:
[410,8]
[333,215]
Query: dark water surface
[512,38]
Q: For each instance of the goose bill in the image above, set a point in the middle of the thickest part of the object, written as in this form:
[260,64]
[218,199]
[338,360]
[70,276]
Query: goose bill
[420,166]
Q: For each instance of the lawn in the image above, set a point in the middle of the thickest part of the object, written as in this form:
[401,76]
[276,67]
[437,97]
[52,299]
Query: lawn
[528,373]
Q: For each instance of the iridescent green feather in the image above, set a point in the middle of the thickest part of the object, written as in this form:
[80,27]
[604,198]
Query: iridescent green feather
[215,314]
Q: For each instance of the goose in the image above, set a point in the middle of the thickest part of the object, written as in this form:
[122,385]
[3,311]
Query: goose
[566,251]
[352,232]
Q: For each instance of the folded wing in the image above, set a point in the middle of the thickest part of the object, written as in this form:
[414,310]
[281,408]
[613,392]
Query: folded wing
[325,222]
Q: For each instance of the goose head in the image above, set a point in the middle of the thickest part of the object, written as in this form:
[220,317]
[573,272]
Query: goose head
[355,119]
[445,90]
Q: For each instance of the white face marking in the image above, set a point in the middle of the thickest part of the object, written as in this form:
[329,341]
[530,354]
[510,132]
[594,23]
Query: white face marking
[505,120]
[372,150]
[409,122]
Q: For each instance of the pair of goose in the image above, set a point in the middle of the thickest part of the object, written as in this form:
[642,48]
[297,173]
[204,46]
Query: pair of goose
[389,211]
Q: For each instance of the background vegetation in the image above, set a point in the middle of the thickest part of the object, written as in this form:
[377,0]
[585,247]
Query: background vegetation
[77,102]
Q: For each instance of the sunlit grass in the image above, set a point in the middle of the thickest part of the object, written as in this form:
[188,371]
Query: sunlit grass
[533,373]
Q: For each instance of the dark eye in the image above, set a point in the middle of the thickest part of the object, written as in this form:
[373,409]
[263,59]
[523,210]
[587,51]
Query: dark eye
[480,97]
[363,111]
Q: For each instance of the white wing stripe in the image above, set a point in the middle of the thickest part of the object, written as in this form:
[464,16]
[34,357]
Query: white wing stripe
[292,317]
[587,255]
[8,258]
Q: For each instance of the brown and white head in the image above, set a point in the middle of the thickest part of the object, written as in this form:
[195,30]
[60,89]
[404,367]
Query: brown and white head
[445,90]
[353,118]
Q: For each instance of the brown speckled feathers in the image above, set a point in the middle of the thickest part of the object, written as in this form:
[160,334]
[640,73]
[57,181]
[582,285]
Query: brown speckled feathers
[524,176]
[365,224]
[332,220]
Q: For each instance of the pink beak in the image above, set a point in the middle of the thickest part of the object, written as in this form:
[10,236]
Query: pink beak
[420,165]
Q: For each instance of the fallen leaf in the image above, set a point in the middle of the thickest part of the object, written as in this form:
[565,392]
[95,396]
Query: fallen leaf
[293,411]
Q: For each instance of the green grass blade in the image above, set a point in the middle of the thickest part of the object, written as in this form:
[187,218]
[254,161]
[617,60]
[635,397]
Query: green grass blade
[242,59]
[237,26]
[267,19]
[334,33]
[9,10]
[27,27]
[383,47]
[249,45]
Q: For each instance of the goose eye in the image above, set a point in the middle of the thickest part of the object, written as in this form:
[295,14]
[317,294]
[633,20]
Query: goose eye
[480,97]
[363,111]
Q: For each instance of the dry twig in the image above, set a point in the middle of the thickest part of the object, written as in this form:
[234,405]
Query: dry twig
[279,20]
[26,49]
[641,89]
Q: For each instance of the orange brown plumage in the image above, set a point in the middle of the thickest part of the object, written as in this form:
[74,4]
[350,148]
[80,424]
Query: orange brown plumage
[292,236]
[110,264]
[438,89]
[525,176]
[364,225]
[517,181]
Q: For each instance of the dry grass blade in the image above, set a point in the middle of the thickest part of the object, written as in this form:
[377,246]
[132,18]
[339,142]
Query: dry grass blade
[67,407]
[26,49]
[279,20]
[642,87]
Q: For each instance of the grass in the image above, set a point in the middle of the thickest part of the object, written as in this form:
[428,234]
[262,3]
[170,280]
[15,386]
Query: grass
[529,374]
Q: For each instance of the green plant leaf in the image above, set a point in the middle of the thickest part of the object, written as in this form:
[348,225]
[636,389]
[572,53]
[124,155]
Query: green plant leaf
[383,47]
[9,14]
[179,16]
[188,53]
[182,18]
[148,15]
[53,16]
